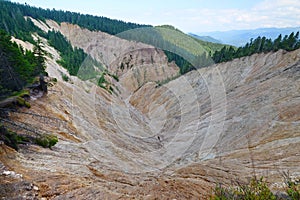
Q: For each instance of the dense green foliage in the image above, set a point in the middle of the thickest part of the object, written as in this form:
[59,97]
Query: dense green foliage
[71,58]
[17,67]
[46,141]
[75,60]
[202,60]
[189,52]
[10,138]
[256,190]
[259,45]
[17,11]
[14,23]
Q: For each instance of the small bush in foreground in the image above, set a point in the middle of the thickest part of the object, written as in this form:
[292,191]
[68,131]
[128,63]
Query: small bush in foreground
[256,190]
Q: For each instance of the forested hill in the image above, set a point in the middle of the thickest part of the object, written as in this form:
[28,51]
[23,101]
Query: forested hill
[186,51]
[90,22]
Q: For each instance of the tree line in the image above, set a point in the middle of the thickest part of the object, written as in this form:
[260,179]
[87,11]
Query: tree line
[14,23]
[90,22]
[259,45]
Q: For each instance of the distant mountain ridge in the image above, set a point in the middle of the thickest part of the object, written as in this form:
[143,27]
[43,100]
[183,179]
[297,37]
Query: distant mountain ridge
[205,38]
[241,37]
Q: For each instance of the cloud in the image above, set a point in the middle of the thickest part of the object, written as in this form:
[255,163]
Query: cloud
[268,13]
[276,4]
[193,15]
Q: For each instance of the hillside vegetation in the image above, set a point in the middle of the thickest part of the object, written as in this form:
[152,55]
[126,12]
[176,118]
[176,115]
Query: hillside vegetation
[14,23]
[90,22]
[71,58]
[18,67]
[187,42]
[188,53]
[259,45]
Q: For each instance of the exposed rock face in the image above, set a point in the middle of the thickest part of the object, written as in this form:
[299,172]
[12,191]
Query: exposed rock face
[25,45]
[261,126]
[135,63]
[223,123]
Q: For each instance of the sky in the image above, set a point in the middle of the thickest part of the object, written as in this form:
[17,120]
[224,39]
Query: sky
[190,16]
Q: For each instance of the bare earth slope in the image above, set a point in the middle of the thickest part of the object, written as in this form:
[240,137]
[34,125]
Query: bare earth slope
[226,122]
[135,63]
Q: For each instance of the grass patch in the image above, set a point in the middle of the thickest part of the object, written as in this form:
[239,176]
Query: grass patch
[22,102]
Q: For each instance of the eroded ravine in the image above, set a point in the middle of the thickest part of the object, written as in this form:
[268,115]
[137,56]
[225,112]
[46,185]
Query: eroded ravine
[172,141]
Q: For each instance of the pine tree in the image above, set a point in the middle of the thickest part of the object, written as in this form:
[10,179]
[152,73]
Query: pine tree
[39,54]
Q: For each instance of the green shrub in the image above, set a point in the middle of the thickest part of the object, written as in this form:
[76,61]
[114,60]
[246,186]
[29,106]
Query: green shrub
[102,81]
[54,80]
[293,189]
[65,77]
[255,190]
[46,141]
[115,77]
[10,138]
